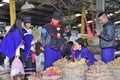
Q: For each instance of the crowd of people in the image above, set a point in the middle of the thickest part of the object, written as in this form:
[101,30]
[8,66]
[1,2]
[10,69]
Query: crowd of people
[18,42]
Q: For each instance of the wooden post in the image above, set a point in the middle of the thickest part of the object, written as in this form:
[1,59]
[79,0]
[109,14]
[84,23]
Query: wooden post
[82,20]
[93,17]
[12,12]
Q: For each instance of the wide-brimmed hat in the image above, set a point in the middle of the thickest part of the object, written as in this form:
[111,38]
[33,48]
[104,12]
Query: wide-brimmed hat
[56,15]
[27,19]
[80,41]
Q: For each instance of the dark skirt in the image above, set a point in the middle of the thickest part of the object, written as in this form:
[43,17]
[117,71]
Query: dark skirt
[30,67]
[2,57]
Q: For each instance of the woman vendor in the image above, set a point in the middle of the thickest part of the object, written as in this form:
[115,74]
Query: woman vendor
[82,53]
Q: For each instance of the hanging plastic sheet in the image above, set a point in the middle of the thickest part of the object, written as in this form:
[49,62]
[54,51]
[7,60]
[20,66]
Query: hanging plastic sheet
[90,34]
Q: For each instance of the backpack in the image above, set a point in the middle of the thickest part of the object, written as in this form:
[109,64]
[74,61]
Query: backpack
[45,37]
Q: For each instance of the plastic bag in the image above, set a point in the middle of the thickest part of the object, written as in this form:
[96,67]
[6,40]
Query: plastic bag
[17,67]
[90,34]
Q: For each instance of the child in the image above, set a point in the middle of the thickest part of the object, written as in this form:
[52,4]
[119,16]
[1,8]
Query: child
[39,57]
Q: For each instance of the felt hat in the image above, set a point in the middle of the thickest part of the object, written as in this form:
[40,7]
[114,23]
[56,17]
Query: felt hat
[27,19]
[80,41]
[56,15]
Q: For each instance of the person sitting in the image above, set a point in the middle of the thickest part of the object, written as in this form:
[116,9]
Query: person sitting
[82,53]
[66,50]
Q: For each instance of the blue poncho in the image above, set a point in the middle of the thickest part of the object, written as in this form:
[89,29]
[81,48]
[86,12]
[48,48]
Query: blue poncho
[10,43]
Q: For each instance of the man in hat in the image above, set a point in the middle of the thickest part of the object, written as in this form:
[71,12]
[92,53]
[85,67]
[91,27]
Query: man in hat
[52,40]
[82,53]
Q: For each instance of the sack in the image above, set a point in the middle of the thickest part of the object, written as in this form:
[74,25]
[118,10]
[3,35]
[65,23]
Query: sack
[17,67]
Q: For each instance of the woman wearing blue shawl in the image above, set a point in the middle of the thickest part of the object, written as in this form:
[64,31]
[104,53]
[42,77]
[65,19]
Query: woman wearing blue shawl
[82,53]
[10,45]
[12,40]
[29,56]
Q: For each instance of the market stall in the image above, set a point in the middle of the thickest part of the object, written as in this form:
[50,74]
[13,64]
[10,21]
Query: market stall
[64,69]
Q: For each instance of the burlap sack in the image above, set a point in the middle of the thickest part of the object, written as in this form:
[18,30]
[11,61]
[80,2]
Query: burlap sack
[76,73]
[4,76]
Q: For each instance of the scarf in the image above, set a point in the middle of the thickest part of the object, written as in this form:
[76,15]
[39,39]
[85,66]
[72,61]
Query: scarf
[56,26]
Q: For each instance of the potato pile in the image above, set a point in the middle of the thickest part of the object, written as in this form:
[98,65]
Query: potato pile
[74,64]
[99,71]
[35,76]
[98,67]
[52,73]
[95,70]
[99,63]
[115,68]
[61,61]
[115,63]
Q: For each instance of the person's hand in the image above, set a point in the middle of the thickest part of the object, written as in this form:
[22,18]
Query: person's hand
[97,34]
[17,56]
[42,62]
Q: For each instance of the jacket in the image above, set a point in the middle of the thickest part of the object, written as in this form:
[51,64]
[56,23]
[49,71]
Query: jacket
[84,53]
[48,36]
[107,36]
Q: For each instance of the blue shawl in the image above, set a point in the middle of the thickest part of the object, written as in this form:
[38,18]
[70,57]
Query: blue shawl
[10,43]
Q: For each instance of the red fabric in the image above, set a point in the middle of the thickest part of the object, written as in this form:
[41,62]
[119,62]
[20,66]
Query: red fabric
[56,26]
[90,34]
[73,53]
[33,57]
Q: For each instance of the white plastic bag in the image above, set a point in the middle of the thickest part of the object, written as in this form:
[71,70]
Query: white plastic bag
[17,67]
[40,62]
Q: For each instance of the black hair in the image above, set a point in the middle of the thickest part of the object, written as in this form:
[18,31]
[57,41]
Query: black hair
[37,48]
[70,42]
[80,41]
[102,14]
[17,25]
[26,23]
[1,37]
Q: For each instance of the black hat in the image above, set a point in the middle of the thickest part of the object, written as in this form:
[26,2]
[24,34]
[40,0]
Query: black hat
[27,19]
[56,16]
[80,41]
